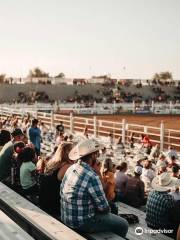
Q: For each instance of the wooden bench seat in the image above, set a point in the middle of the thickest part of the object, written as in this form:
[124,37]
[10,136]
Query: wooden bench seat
[104,236]
[9,230]
[126,209]
[38,223]
[35,221]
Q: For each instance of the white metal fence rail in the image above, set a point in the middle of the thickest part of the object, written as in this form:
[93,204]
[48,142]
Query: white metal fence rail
[100,108]
[161,136]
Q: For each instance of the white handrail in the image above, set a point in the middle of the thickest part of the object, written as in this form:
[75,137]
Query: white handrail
[103,127]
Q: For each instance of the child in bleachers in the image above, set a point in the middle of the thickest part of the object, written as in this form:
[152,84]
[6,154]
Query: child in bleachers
[28,171]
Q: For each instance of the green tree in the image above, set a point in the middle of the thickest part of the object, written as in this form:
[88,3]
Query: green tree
[2,78]
[163,76]
[37,73]
[166,76]
[156,77]
[60,75]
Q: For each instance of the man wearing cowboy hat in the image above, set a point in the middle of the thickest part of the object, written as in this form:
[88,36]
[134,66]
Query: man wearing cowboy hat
[160,204]
[84,206]
[6,154]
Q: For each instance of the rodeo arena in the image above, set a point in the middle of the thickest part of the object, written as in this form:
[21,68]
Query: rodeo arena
[74,166]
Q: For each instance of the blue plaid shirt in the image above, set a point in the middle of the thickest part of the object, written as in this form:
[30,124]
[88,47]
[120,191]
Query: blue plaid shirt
[158,208]
[81,195]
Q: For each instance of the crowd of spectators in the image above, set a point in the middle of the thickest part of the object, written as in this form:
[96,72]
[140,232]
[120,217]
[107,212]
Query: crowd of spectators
[84,174]
[121,92]
[32,97]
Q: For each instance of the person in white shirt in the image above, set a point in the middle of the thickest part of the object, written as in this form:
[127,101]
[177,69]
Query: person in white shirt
[110,140]
[162,158]
[103,154]
[175,193]
[59,139]
[161,164]
[172,152]
[147,175]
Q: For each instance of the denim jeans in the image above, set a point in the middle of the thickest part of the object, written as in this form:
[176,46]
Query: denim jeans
[106,223]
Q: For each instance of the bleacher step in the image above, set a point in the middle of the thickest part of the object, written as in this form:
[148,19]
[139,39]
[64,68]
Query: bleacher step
[104,236]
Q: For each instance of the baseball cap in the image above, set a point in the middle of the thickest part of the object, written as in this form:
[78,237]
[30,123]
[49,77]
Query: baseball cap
[138,170]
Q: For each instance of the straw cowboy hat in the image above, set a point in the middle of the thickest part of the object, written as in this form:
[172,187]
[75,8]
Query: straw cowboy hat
[161,164]
[164,182]
[139,157]
[83,148]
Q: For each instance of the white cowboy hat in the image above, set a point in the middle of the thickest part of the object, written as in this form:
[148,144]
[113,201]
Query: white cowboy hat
[161,164]
[84,147]
[164,182]
[162,155]
[139,157]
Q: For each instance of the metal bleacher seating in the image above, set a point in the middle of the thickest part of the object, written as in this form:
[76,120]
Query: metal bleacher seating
[9,230]
[126,209]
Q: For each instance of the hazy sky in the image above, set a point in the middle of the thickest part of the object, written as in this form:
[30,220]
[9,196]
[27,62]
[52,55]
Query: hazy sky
[127,38]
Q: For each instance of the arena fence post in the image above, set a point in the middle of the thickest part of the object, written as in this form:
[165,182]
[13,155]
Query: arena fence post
[152,106]
[162,136]
[123,131]
[75,106]
[170,107]
[145,130]
[71,122]
[55,106]
[36,110]
[94,107]
[114,107]
[36,113]
[95,126]
[133,106]
[143,104]
[52,119]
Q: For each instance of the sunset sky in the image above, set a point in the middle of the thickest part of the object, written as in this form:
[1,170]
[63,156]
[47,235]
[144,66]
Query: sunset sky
[126,38]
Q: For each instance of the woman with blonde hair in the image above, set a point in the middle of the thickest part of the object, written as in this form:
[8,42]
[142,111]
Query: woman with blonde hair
[54,171]
[60,156]
[65,161]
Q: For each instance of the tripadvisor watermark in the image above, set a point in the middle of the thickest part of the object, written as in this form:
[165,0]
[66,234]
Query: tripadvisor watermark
[139,231]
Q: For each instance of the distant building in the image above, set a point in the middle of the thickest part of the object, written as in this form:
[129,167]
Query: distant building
[96,80]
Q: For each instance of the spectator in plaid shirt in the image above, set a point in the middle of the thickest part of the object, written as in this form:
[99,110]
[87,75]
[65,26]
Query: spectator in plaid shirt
[84,206]
[161,205]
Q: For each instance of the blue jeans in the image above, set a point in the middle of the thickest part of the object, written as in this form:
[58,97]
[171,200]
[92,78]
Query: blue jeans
[106,223]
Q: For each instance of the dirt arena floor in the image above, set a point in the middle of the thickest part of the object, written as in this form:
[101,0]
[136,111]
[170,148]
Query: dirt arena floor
[170,121]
